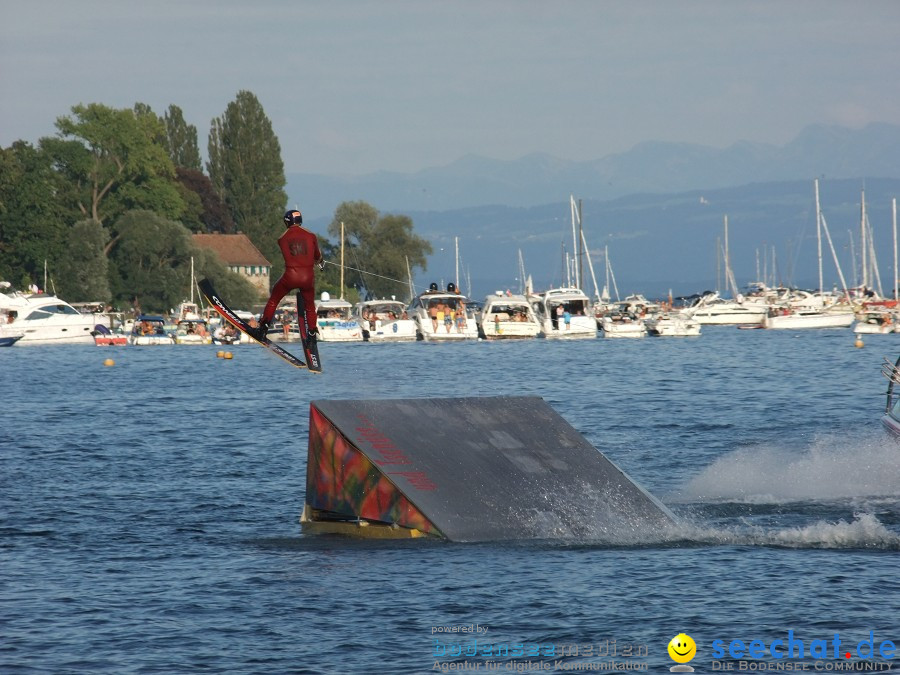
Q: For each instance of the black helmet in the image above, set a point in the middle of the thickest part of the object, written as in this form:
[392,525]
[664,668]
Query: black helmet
[293,217]
[451,287]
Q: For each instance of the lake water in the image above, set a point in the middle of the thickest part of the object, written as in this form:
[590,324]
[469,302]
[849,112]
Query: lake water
[149,511]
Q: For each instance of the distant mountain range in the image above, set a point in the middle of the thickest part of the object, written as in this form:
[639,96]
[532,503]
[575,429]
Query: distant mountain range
[660,207]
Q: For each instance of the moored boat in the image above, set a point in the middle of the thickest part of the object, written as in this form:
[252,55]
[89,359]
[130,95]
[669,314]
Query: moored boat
[443,315]
[335,320]
[565,313]
[807,317]
[672,324]
[385,321]
[875,322]
[150,330]
[710,309]
[505,317]
[9,336]
[622,325]
[104,337]
[46,319]
[192,331]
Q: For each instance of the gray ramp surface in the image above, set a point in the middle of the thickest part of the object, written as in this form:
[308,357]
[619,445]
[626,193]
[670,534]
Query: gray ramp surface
[496,468]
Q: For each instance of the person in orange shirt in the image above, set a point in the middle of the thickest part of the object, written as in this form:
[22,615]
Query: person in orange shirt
[300,249]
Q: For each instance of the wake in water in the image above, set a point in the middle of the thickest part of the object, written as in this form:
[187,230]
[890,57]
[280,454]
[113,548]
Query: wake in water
[859,475]
[833,467]
[864,531]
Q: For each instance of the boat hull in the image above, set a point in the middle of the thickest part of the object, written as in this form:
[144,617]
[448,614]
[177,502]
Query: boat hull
[813,320]
[510,330]
[673,328]
[401,330]
[728,318]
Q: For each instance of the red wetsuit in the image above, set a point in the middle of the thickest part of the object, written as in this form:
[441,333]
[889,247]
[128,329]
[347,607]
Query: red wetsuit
[300,249]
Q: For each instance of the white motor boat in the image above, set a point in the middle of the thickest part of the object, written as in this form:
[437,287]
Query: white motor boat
[875,322]
[192,332]
[443,315]
[45,319]
[565,313]
[506,317]
[149,330]
[713,310]
[385,321]
[335,320]
[622,325]
[672,324]
[9,336]
[817,311]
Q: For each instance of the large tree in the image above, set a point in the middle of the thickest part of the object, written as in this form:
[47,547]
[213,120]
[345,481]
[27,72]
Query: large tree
[204,210]
[83,269]
[33,219]
[117,161]
[379,247]
[150,268]
[151,263]
[246,170]
[181,140]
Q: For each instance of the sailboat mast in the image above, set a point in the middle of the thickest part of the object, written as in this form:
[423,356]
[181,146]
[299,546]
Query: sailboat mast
[521,273]
[862,240]
[192,280]
[579,280]
[837,264]
[727,260]
[574,212]
[606,262]
[590,265]
[819,236]
[456,243]
[894,221]
[774,268]
[342,260]
[412,290]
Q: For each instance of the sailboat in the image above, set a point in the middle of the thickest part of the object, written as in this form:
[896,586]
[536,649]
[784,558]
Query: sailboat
[876,315]
[566,313]
[712,309]
[335,317]
[818,310]
[190,327]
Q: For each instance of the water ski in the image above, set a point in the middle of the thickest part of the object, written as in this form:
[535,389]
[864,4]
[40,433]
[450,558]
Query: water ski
[228,315]
[310,347]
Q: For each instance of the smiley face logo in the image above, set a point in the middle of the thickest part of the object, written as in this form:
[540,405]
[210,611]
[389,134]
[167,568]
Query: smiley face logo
[682,648]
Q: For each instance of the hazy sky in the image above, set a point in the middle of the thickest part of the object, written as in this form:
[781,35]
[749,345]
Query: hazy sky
[358,86]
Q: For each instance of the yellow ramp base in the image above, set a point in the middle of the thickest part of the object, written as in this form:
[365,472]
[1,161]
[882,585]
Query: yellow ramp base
[357,528]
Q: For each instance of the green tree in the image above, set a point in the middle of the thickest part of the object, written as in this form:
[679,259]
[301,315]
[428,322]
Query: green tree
[117,162]
[247,172]
[33,220]
[151,262]
[379,246]
[150,268]
[181,140]
[83,270]
[204,210]
[329,279]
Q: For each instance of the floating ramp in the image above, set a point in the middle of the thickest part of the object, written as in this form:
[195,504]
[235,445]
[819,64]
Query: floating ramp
[466,469]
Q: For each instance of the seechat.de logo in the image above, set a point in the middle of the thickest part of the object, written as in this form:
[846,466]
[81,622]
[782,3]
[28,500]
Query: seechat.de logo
[682,649]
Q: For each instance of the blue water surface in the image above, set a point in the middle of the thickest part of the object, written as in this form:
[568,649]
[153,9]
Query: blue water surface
[149,510]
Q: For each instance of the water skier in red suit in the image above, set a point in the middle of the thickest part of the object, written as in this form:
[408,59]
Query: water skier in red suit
[300,249]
